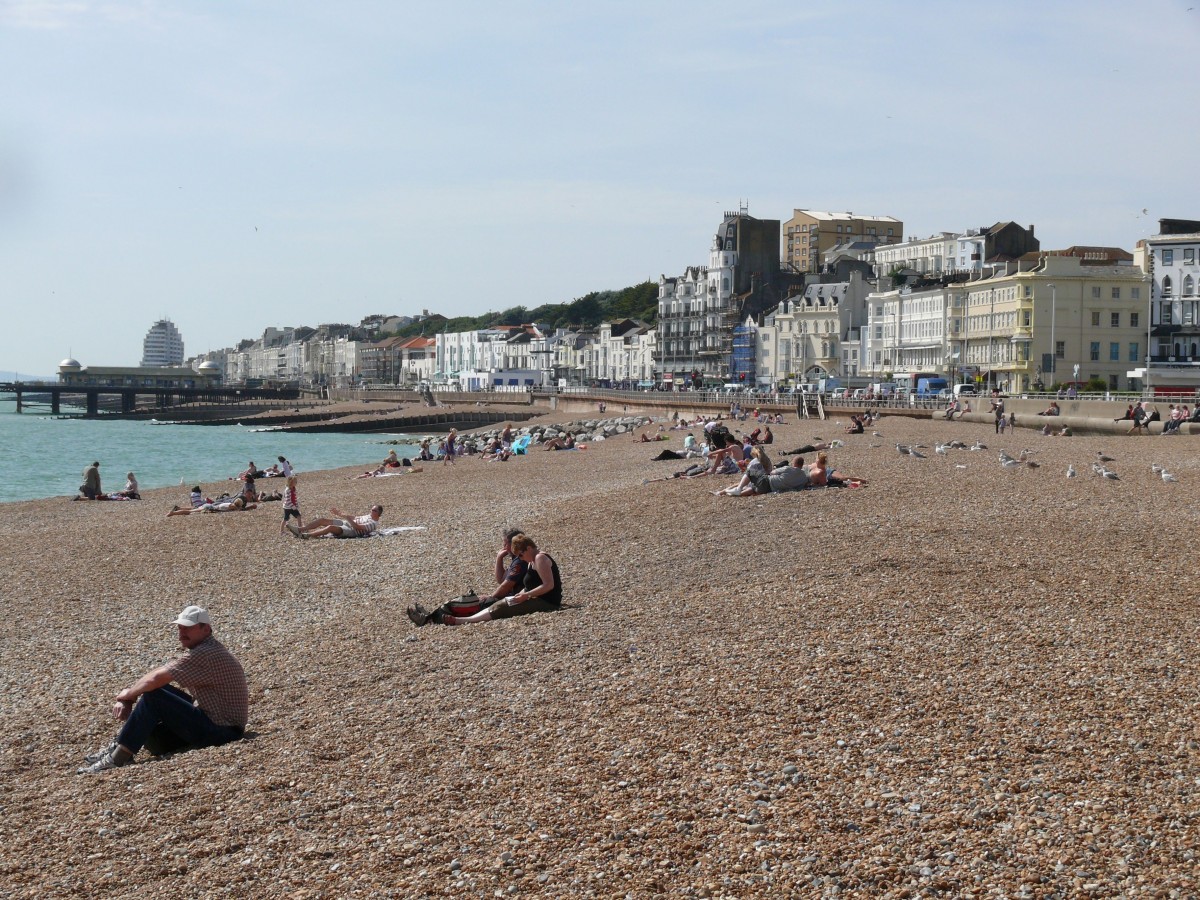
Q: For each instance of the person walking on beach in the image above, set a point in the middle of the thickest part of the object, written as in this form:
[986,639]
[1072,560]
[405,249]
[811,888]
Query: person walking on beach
[164,718]
[91,482]
[451,449]
[291,506]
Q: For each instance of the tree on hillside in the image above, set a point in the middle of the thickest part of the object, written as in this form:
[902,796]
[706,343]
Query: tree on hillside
[638,301]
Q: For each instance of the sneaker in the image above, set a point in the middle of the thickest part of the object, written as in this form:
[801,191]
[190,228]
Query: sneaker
[113,759]
[294,529]
[418,615]
[97,755]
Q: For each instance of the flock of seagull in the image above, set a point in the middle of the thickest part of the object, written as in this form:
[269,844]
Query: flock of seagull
[1022,460]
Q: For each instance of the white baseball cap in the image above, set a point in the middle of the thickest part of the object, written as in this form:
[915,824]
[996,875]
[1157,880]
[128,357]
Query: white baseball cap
[193,615]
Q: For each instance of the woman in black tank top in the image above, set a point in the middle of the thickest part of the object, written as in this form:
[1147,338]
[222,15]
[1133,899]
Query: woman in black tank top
[541,590]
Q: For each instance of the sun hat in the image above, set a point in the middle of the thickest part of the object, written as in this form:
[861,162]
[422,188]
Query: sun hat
[193,615]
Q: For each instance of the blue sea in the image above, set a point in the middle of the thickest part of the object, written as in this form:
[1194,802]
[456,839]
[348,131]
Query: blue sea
[44,456]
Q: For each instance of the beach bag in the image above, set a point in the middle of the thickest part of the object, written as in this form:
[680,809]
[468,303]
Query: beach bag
[466,605]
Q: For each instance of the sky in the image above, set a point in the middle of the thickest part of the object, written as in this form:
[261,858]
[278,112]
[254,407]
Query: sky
[237,166]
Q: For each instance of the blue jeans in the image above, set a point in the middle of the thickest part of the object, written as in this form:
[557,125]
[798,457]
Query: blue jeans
[170,710]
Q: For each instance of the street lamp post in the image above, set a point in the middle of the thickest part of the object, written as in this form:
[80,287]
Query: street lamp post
[1053,346]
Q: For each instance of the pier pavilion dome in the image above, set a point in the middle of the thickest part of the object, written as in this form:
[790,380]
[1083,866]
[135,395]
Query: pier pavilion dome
[209,368]
[69,365]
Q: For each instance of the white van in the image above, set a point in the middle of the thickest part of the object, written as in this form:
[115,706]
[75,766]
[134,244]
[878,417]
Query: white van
[961,389]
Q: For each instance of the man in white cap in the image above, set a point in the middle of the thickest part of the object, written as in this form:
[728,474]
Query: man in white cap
[153,710]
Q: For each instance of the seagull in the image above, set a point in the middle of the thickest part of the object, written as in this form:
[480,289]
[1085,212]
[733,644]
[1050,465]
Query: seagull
[1070,471]
[941,450]
[1097,469]
[1100,456]
[1111,476]
[876,434]
[1156,468]
[1009,463]
[1004,457]
[1167,476]
[978,446]
[915,454]
[904,451]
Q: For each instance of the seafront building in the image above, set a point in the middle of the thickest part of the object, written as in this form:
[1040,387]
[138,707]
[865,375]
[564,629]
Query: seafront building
[1056,318]
[856,301]
[1171,260]
[814,334]
[809,233]
[163,345]
[699,310]
[949,253]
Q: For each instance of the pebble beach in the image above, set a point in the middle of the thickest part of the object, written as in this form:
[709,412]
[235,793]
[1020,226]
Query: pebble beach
[959,680]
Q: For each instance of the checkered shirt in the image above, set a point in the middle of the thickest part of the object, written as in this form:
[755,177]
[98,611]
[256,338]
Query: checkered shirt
[216,680]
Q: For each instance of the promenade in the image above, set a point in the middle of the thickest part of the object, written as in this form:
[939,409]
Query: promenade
[960,679]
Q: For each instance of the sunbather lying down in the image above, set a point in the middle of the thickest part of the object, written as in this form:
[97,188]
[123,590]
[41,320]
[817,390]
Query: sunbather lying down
[793,476]
[237,504]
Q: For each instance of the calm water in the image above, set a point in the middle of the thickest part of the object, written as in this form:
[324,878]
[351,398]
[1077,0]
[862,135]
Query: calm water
[41,456]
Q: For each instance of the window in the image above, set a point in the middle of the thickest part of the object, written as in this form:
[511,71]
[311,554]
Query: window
[1115,320]
[1168,257]
[1133,352]
[1095,318]
[1060,349]
[1189,286]
[1166,313]
[1166,286]
[1116,293]
[1135,294]
[1095,292]
[1114,352]
[1189,256]
[1094,355]
[1133,320]
[889,232]
[1026,319]
[1028,291]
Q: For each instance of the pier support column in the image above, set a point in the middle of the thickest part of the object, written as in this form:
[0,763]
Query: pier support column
[55,402]
[18,400]
[93,404]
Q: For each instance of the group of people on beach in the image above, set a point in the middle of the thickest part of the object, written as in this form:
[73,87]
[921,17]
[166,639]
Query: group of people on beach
[91,490]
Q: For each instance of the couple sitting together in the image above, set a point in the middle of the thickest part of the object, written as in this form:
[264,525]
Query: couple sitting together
[527,581]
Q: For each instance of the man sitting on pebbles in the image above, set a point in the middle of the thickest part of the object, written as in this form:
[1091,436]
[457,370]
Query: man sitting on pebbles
[343,526]
[164,718]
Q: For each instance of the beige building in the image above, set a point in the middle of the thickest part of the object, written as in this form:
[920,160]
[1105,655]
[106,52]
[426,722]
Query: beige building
[809,233]
[1059,322]
[814,334]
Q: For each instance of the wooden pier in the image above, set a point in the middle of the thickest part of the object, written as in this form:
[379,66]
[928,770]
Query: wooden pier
[128,396]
